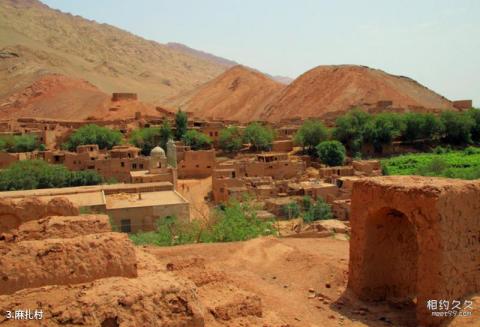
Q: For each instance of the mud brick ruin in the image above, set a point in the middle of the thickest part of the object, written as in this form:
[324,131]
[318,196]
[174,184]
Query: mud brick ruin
[418,238]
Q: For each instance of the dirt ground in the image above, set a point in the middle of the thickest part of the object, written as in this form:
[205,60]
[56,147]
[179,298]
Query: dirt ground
[299,282]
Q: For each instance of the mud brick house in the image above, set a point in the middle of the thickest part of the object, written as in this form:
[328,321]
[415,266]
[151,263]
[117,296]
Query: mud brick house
[418,239]
[282,146]
[132,207]
[212,129]
[196,164]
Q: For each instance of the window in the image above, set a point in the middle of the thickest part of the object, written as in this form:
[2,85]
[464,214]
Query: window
[122,164]
[198,166]
[209,166]
[125,226]
[141,166]
[134,166]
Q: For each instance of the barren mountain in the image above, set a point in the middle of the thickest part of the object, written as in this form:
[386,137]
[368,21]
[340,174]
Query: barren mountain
[331,90]
[57,96]
[35,39]
[238,94]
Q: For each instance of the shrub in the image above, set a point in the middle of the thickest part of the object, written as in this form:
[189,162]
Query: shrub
[197,140]
[148,138]
[104,137]
[350,129]
[310,134]
[331,153]
[18,143]
[475,131]
[436,167]
[259,137]
[320,210]
[291,210]
[181,124]
[382,130]
[34,174]
[230,139]
[458,127]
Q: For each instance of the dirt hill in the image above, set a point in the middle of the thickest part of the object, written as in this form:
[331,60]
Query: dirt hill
[35,39]
[327,90]
[239,93]
[57,96]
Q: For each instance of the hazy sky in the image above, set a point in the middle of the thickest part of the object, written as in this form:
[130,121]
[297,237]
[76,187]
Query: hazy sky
[436,42]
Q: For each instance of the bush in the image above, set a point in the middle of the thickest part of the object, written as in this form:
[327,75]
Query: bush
[104,137]
[421,126]
[18,143]
[291,210]
[181,124]
[381,130]
[458,127]
[318,211]
[436,167]
[475,131]
[35,174]
[197,140]
[350,129]
[259,137]
[230,139]
[148,138]
[310,134]
[331,153]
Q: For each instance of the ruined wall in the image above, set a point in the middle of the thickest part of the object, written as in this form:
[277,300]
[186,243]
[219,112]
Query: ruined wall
[282,146]
[124,96]
[415,237]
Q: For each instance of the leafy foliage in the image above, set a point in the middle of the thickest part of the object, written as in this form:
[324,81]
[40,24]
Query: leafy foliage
[35,174]
[104,137]
[475,131]
[181,124]
[319,210]
[230,139]
[331,153]
[291,210]
[458,127]
[310,134]
[18,143]
[148,138]
[197,140]
[235,222]
[350,129]
[260,137]
[443,162]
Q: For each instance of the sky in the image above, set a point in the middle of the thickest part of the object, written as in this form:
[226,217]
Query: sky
[436,42]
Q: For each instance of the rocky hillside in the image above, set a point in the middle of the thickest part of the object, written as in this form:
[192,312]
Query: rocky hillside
[239,94]
[331,90]
[35,39]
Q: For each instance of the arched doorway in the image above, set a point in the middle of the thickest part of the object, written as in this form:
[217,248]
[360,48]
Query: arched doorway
[391,250]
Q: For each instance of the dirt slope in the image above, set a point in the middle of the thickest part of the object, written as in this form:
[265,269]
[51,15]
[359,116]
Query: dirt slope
[334,89]
[239,94]
[35,39]
[57,96]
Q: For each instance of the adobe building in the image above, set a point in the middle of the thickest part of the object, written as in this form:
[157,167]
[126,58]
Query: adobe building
[132,207]
[196,164]
[418,238]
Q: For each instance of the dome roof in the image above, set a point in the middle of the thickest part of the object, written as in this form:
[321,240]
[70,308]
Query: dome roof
[157,152]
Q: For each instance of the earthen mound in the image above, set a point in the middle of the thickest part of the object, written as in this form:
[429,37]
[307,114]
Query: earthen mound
[331,90]
[239,94]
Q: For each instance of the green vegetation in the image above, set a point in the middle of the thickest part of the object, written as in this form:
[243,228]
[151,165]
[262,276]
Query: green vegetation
[197,140]
[457,127]
[104,137]
[230,139]
[181,124]
[235,222]
[19,143]
[310,134]
[350,130]
[319,210]
[259,137]
[331,153]
[148,138]
[443,162]
[35,174]
[291,210]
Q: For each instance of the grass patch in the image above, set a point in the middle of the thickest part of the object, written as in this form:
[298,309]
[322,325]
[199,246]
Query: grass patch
[463,164]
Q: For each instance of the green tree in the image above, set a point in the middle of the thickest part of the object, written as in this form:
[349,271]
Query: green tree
[291,210]
[148,138]
[34,174]
[197,140]
[320,210]
[104,137]
[310,134]
[18,143]
[331,153]
[350,129]
[381,130]
[230,139]
[181,124]
[458,127]
[475,131]
[260,137]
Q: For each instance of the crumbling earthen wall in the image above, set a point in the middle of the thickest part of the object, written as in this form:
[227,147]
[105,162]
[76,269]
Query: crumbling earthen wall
[415,237]
[124,96]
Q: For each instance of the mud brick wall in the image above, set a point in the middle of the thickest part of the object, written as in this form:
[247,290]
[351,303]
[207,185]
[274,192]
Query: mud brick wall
[417,237]
[30,264]
[124,96]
